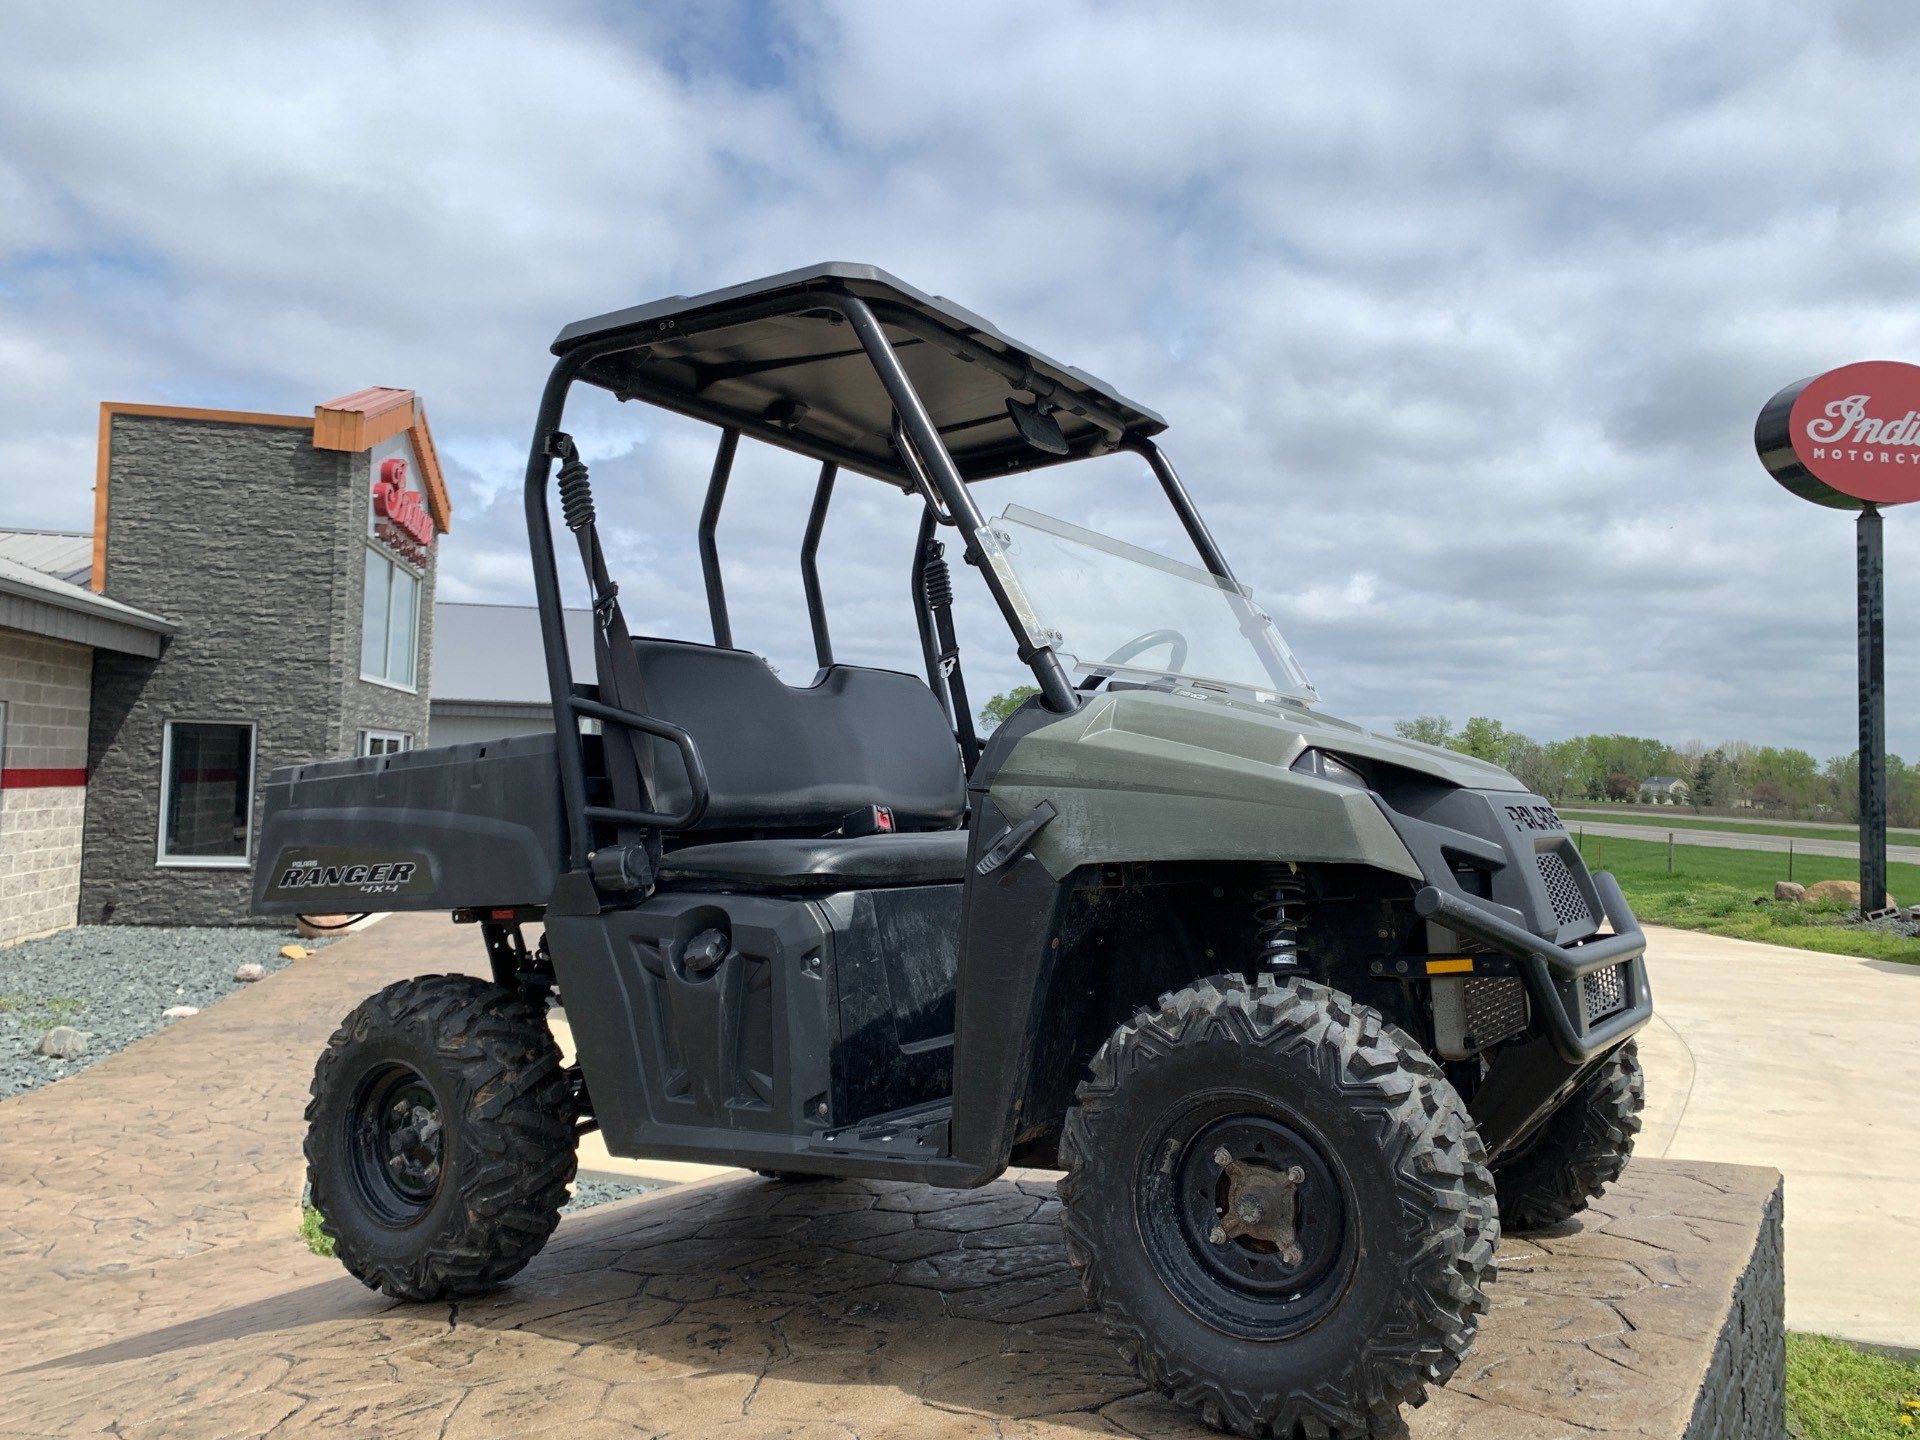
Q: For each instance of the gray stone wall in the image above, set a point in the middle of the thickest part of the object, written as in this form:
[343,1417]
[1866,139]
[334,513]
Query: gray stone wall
[44,685]
[1744,1394]
[253,542]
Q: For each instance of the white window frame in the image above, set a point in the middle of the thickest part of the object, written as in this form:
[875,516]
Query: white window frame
[242,861]
[419,606]
[367,737]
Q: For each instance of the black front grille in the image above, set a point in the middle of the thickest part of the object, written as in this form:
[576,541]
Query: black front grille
[1605,991]
[1563,891]
[1496,1007]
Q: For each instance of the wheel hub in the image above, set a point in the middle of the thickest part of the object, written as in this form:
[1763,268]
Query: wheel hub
[413,1142]
[1257,1233]
[397,1143]
[1262,1206]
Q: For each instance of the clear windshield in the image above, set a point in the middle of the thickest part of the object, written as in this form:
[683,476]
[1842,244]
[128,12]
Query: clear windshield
[1109,607]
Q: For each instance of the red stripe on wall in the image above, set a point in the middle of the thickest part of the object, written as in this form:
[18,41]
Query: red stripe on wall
[23,779]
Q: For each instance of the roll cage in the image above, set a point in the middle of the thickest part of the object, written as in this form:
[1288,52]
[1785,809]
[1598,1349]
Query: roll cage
[778,360]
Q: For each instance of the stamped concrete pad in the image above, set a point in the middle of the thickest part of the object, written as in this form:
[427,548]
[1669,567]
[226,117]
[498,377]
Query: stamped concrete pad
[746,1307]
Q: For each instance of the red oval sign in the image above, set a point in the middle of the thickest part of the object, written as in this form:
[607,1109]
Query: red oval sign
[1847,438]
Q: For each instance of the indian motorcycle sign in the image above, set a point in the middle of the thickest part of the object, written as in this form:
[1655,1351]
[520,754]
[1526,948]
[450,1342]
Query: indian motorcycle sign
[1848,438]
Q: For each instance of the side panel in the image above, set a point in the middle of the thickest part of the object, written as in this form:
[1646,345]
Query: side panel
[819,1014]
[1148,776]
[1009,922]
[684,1062]
[445,828]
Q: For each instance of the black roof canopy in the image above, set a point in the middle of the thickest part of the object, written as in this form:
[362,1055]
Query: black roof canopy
[775,360]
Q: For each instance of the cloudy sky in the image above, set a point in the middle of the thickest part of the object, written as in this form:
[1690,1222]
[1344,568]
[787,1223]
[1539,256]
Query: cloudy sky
[1461,317]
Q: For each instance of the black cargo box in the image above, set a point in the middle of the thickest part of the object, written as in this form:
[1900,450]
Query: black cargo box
[445,828]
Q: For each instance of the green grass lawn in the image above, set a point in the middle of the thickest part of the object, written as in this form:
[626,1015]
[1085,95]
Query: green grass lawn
[1835,1392]
[1714,890]
[1686,820]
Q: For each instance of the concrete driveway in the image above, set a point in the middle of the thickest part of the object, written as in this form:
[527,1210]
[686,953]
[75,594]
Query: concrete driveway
[1810,1063]
[156,1286]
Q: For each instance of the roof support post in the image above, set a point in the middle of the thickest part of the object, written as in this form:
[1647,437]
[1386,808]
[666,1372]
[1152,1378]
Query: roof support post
[922,619]
[709,550]
[546,591]
[920,429]
[1254,624]
[1203,541]
[810,564]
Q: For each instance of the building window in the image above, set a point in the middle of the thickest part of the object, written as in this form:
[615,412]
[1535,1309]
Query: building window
[390,622]
[206,793]
[384,742]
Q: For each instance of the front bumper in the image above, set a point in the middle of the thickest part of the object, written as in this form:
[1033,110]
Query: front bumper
[1560,977]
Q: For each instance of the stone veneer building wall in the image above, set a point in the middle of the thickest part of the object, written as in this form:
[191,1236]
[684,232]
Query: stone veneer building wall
[254,538]
[44,685]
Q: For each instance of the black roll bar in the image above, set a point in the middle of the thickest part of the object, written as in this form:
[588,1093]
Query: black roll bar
[923,617]
[709,547]
[925,438]
[941,479]
[810,564]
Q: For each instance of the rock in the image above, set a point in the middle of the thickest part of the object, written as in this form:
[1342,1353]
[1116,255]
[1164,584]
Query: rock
[250,972]
[287,952]
[63,1042]
[320,927]
[179,1012]
[1846,892]
[1788,890]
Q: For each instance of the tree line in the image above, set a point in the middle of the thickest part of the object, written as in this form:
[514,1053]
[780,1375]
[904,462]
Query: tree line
[1770,779]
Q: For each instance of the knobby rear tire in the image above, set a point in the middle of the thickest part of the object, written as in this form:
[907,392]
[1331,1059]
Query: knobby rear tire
[507,1117]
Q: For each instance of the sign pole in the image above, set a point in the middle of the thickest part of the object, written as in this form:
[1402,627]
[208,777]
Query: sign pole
[1873,714]
[1849,439]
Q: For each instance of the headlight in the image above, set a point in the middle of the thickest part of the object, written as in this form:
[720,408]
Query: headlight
[1322,766]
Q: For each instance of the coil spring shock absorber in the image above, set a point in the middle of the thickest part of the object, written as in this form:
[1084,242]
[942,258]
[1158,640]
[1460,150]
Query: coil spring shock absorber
[1279,905]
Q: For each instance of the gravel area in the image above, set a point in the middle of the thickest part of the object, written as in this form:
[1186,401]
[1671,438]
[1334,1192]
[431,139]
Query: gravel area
[114,981]
[589,1193]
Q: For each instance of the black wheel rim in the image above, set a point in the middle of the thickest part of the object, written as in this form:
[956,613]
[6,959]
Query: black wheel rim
[1247,1216]
[397,1148]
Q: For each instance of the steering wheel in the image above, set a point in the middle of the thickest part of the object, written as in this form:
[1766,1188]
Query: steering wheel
[1175,662]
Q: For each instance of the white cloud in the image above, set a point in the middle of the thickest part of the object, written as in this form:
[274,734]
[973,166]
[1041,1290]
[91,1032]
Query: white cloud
[1461,322]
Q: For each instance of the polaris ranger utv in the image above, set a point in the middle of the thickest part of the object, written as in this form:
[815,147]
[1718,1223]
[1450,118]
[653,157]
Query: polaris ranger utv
[1303,1013]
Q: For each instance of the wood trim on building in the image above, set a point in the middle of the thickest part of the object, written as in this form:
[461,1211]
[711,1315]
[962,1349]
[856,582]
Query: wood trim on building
[359,421]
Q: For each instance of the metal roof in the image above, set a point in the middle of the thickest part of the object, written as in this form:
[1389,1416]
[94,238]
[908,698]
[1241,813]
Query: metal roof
[42,604]
[759,359]
[64,554]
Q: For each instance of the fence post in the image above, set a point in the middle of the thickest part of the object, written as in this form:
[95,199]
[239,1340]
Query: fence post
[1789,859]
[1669,852]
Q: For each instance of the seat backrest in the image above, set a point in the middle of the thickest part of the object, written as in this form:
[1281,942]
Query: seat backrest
[780,757]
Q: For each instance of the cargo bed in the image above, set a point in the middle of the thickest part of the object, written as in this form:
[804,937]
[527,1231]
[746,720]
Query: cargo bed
[444,828]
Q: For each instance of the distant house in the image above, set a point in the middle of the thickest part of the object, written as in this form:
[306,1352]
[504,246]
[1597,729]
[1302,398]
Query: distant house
[1664,790]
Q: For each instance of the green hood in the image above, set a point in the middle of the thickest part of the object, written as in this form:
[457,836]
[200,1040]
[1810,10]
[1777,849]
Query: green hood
[1147,775]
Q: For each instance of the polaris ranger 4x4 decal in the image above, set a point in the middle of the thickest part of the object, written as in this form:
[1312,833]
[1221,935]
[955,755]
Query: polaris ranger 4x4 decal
[362,874]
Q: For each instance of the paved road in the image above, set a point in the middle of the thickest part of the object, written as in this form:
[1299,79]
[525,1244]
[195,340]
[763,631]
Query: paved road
[1731,840]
